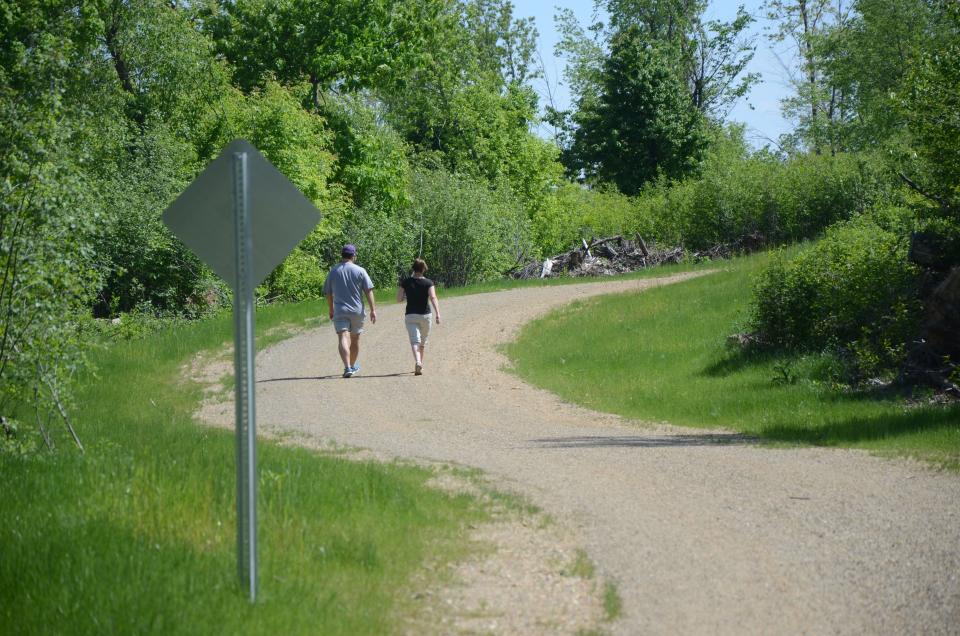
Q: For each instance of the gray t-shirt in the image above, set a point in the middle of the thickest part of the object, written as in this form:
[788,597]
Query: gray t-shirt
[347,282]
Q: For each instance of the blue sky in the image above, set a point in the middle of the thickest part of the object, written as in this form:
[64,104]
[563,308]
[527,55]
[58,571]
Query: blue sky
[764,120]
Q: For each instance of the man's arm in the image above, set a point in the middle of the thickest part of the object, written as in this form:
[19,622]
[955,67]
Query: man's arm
[330,304]
[401,294]
[373,307]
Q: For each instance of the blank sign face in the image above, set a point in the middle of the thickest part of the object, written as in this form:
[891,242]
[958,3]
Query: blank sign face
[203,215]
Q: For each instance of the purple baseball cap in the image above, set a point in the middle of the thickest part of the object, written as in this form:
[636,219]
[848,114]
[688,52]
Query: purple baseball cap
[348,250]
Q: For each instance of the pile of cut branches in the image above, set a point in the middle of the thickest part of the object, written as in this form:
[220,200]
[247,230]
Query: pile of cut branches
[610,256]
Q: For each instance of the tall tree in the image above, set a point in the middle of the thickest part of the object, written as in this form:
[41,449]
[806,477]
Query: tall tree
[930,102]
[850,61]
[710,55]
[332,44]
[642,124]
[706,60]
[470,104]
[819,106]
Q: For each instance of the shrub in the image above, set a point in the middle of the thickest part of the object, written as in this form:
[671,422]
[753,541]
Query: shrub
[371,156]
[46,224]
[298,278]
[854,291]
[763,200]
[812,192]
[385,242]
[140,259]
[574,212]
[559,222]
[469,232]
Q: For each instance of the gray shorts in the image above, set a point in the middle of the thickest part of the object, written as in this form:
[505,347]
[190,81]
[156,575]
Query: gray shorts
[349,322]
[418,327]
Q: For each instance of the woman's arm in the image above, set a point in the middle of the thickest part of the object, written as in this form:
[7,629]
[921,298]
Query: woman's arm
[433,301]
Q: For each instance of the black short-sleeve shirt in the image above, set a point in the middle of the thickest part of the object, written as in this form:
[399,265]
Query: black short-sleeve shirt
[418,294]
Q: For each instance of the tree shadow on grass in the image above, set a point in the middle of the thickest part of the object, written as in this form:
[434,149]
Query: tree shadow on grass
[856,429]
[796,367]
[733,361]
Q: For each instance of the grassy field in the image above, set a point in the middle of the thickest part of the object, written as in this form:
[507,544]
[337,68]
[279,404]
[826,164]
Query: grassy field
[660,356]
[137,535]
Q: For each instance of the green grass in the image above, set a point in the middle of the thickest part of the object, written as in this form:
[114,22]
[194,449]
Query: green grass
[582,566]
[612,603]
[137,535]
[660,355]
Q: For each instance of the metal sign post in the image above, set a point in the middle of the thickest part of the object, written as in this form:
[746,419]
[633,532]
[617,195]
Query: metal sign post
[241,197]
[244,352]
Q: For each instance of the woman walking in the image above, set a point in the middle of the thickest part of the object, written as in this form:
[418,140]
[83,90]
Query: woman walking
[419,292]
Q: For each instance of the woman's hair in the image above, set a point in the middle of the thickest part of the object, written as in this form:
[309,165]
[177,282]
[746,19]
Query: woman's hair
[419,265]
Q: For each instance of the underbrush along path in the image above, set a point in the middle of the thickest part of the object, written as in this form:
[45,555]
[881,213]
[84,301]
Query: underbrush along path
[703,531]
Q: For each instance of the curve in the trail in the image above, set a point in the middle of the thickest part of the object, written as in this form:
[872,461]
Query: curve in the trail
[703,531]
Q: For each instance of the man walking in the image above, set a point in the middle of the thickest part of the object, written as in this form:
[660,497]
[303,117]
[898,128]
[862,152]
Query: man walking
[345,287]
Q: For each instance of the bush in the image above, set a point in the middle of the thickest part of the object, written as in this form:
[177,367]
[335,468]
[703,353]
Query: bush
[854,292]
[469,232]
[46,225]
[574,212]
[371,156]
[761,200]
[385,240]
[298,278]
[141,261]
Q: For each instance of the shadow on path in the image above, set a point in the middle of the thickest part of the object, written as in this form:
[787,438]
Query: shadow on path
[636,441]
[336,377]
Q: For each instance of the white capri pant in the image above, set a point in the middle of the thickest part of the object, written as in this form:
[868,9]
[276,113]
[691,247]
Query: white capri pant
[418,327]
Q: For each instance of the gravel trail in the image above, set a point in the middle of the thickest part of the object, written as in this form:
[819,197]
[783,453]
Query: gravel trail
[703,532]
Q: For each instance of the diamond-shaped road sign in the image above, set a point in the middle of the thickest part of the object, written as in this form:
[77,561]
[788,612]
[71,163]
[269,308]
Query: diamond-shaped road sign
[242,217]
[202,216]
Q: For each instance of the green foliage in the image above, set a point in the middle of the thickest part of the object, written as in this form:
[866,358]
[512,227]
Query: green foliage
[371,156]
[931,105]
[574,212]
[493,142]
[385,242]
[163,70]
[869,60]
[142,261]
[709,55]
[297,142]
[469,233]
[299,277]
[854,63]
[644,85]
[757,200]
[642,124]
[559,224]
[854,291]
[468,105]
[328,43]
[46,271]
[134,250]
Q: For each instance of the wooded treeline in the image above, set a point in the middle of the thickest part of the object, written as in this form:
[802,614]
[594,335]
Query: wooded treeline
[410,125]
